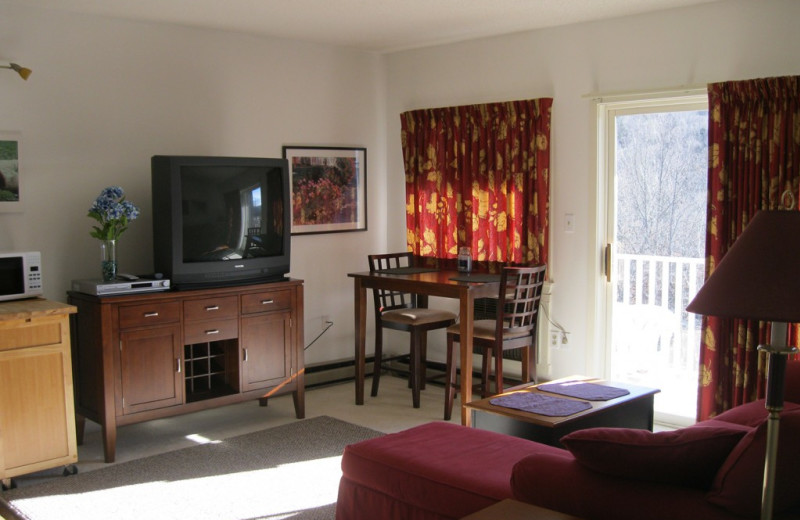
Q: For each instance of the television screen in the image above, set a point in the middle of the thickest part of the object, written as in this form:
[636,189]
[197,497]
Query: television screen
[230,213]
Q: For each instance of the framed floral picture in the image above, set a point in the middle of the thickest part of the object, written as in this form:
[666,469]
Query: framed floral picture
[328,189]
[10,173]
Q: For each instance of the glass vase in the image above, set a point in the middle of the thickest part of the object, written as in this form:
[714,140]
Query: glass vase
[464,259]
[108,259]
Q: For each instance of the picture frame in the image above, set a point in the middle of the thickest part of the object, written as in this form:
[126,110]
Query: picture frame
[11,174]
[328,188]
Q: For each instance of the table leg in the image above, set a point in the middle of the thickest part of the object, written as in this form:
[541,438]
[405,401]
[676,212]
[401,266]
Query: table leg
[466,312]
[360,297]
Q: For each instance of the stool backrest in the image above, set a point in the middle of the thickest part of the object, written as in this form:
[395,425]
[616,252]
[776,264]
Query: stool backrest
[386,300]
[520,294]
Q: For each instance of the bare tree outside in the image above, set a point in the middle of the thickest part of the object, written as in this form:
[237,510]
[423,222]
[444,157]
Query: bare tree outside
[662,168]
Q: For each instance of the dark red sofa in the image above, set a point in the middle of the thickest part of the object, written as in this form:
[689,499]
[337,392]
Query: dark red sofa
[710,471]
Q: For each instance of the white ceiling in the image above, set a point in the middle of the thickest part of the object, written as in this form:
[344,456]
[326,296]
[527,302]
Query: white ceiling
[372,25]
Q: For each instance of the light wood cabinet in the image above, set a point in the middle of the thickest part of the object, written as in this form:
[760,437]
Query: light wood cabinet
[145,356]
[37,414]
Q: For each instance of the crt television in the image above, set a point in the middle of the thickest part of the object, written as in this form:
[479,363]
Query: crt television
[220,220]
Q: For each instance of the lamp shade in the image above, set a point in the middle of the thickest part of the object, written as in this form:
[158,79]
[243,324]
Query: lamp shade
[759,276]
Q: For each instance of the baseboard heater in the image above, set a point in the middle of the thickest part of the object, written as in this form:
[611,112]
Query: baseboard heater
[335,372]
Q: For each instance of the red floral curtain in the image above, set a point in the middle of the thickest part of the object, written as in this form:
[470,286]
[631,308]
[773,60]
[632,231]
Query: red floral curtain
[754,164]
[478,176]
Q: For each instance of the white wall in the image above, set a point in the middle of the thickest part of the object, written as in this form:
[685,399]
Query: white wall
[106,95]
[716,42]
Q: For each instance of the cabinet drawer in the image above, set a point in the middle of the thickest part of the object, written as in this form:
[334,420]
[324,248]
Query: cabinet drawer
[39,332]
[211,308]
[155,313]
[266,301]
[210,330]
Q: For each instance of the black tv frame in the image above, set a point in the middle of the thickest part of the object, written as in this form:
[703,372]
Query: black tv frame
[168,257]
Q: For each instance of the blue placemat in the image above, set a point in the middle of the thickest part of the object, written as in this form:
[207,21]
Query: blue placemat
[541,404]
[584,390]
[407,270]
[477,278]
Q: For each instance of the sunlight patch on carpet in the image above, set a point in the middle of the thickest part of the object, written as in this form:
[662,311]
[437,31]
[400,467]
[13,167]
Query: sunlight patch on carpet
[282,490]
[199,439]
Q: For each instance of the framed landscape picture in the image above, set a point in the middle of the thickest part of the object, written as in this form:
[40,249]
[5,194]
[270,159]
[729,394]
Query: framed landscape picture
[10,178]
[328,188]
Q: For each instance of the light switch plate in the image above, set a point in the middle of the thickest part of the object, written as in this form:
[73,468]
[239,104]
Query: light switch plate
[569,222]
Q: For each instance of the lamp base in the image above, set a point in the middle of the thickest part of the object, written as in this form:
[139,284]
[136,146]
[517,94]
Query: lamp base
[776,374]
[776,379]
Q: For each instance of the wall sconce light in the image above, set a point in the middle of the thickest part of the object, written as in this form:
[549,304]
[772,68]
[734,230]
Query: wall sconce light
[22,71]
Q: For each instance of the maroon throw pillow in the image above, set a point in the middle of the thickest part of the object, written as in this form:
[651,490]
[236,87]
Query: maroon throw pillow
[738,484]
[749,414]
[687,457]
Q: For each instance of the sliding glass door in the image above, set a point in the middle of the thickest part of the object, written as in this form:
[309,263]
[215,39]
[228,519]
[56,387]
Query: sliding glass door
[656,170]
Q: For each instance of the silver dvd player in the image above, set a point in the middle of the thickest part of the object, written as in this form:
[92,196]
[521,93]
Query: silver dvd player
[103,288]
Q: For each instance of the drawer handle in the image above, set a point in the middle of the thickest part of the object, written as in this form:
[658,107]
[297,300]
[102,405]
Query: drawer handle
[150,314]
[267,302]
[212,308]
[212,331]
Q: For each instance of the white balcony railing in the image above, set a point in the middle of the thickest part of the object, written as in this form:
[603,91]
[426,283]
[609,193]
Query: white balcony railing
[655,341]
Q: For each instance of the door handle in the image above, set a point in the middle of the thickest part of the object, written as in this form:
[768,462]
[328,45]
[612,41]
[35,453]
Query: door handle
[607,261]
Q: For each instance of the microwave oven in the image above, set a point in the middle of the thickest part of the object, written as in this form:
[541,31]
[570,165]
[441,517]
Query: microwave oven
[20,275]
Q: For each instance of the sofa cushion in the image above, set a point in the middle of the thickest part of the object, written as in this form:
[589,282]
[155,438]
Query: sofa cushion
[749,414]
[443,468]
[563,484]
[737,486]
[688,456]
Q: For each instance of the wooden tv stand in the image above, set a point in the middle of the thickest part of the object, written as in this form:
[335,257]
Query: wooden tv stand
[145,356]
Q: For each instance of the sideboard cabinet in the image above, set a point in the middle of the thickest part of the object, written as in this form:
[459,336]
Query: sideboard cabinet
[144,356]
[37,415]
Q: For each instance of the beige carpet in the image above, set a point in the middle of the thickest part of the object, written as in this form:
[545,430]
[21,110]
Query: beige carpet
[290,471]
